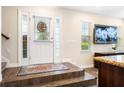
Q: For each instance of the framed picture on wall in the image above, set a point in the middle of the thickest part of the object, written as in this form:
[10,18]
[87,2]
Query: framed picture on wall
[104,34]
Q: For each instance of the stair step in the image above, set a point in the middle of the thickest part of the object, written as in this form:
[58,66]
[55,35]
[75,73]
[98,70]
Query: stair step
[11,78]
[82,81]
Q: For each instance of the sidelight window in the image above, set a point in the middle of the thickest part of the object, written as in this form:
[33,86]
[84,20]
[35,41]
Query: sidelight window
[24,34]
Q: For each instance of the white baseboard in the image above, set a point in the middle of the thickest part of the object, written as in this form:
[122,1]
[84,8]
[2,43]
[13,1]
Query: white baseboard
[66,60]
[10,65]
[79,65]
[85,66]
[4,59]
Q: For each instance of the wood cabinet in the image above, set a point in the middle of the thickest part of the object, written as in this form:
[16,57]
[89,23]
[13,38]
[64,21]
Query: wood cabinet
[110,75]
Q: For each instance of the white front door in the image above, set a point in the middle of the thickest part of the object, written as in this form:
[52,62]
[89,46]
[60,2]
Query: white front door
[36,44]
[41,40]
[41,52]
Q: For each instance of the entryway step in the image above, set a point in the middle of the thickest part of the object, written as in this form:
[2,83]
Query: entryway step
[82,81]
[12,80]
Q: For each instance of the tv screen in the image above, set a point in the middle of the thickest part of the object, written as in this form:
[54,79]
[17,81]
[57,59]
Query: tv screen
[105,34]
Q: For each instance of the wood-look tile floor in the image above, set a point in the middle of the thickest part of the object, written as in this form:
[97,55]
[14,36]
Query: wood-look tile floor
[93,71]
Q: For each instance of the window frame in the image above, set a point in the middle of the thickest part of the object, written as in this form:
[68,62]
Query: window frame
[83,34]
[35,32]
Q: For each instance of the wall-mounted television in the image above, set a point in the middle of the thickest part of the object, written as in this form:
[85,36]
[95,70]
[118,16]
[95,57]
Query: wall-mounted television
[104,34]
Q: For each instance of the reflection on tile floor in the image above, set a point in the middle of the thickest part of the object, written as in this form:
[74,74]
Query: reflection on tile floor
[94,72]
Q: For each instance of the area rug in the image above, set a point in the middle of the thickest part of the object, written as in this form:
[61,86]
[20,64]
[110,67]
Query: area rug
[41,68]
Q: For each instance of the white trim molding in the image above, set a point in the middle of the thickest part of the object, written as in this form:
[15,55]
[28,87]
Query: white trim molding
[19,36]
[4,59]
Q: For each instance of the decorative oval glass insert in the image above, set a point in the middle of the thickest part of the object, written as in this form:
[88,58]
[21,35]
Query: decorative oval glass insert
[41,26]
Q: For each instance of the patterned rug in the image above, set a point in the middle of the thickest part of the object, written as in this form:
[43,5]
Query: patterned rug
[41,68]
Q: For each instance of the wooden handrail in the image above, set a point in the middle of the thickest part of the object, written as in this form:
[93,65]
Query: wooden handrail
[5,36]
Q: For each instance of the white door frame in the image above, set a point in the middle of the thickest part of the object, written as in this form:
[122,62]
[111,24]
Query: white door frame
[31,13]
[57,55]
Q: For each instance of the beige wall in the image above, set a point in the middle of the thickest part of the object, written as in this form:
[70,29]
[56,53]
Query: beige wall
[71,32]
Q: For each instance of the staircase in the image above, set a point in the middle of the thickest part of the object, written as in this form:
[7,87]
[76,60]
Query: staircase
[73,77]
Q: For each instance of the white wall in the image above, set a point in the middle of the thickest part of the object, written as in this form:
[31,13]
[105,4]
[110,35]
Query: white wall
[71,32]
[0,46]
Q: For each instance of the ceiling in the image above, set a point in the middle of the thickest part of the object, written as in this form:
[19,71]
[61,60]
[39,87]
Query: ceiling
[112,11]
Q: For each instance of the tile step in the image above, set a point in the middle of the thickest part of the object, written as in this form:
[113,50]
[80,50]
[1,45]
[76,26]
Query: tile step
[82,81]
[49,78]
[72,77]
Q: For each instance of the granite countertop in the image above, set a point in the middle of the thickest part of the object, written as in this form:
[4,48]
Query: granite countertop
[109,61]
